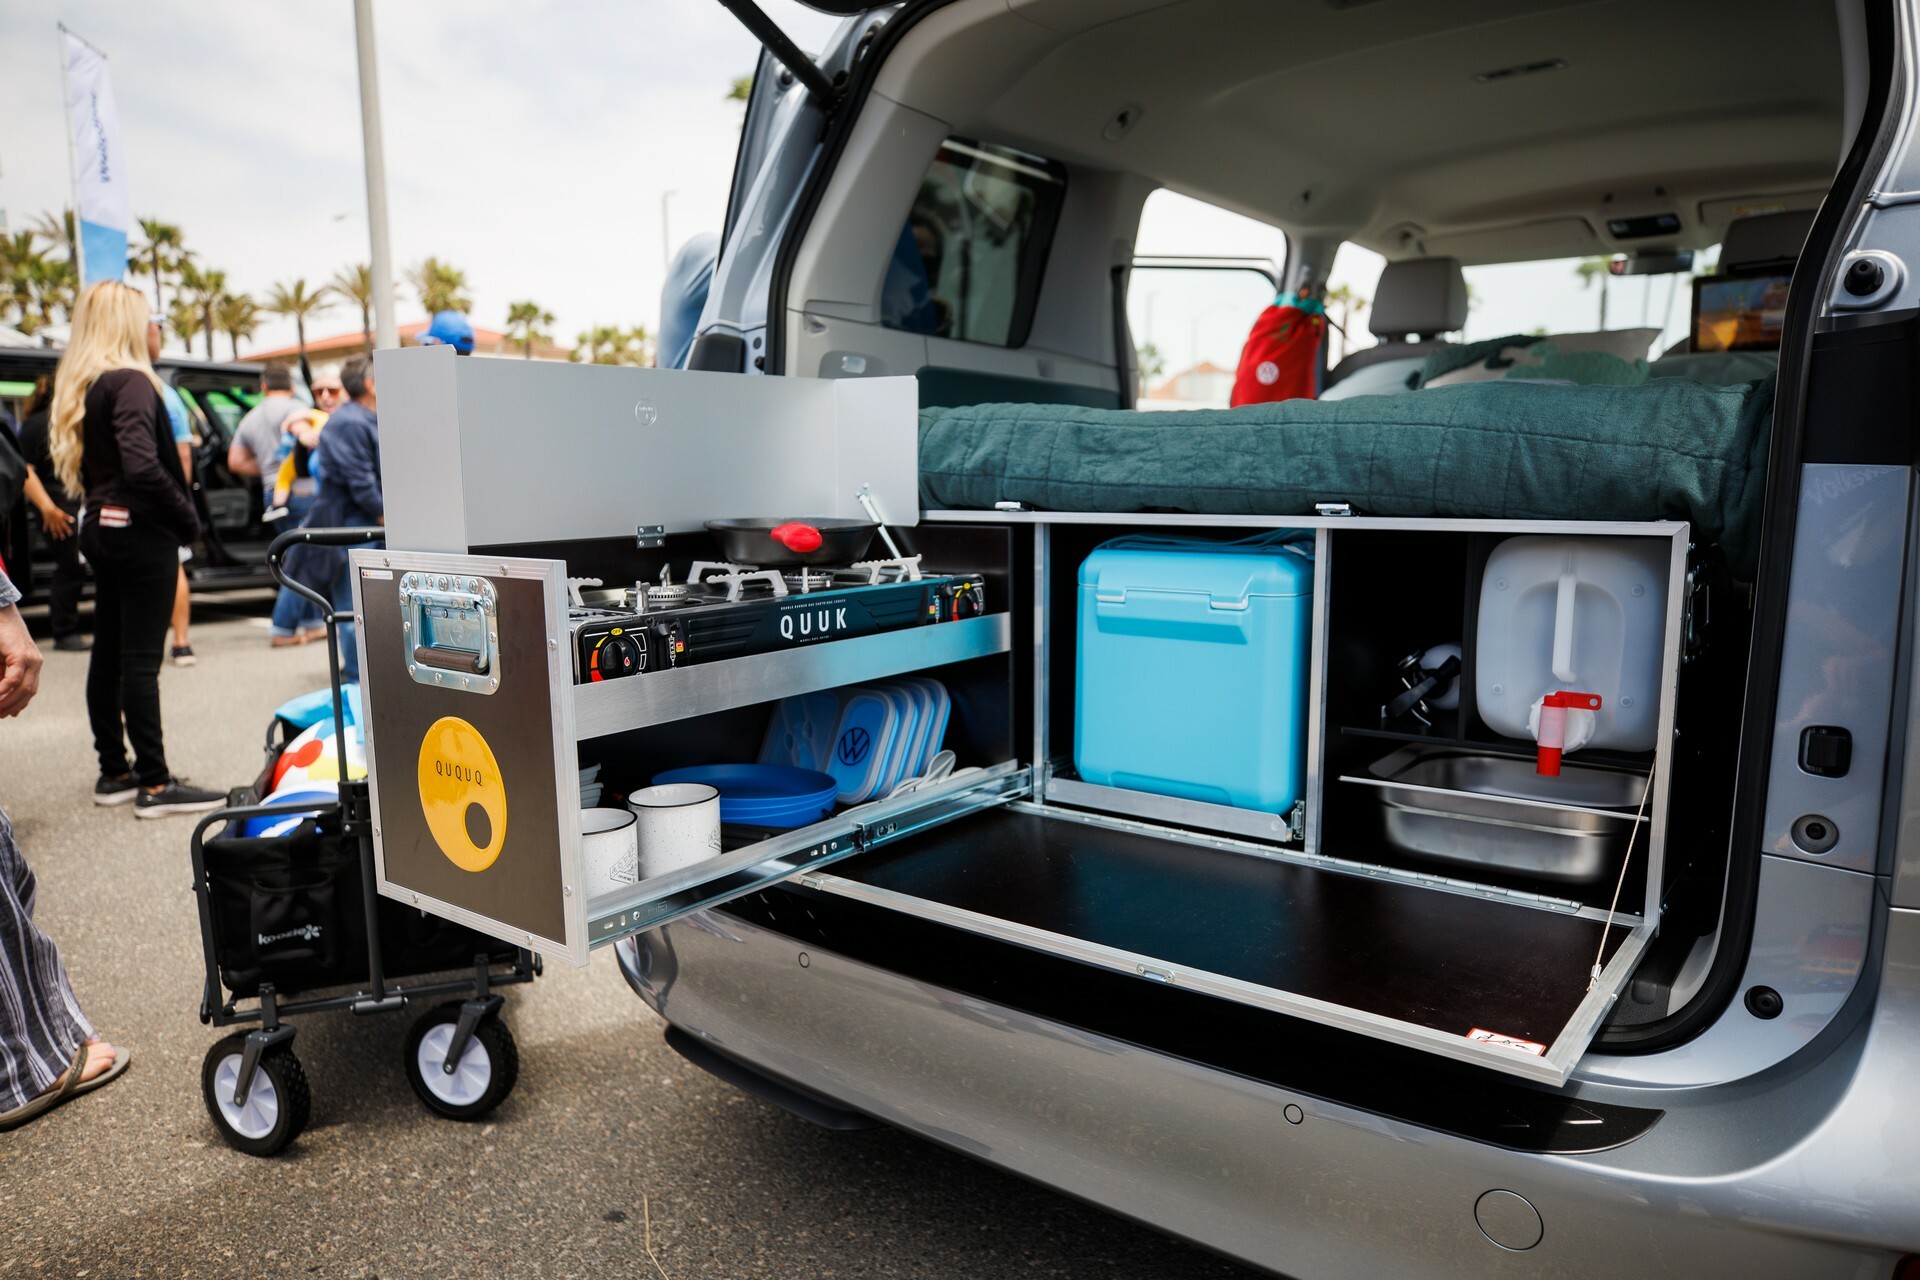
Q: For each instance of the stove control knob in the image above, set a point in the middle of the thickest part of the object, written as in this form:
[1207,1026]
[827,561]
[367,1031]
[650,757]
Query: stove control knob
[620,656]
[673,642]
[964,601]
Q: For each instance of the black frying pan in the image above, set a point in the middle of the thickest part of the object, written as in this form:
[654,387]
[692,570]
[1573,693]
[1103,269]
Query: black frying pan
[755,542]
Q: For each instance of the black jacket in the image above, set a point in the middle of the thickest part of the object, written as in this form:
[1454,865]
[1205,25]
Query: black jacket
[129,459]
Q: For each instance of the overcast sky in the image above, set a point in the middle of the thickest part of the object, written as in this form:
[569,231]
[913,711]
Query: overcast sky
[529,142]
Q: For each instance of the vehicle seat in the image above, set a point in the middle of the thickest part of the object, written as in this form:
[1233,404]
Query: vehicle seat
[1751,246]
[1415,302]
[1766,240]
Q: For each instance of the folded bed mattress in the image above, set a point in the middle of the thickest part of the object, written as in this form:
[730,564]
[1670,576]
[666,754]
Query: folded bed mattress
[1667,449]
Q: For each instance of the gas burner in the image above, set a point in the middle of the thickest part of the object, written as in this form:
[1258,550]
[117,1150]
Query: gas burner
[805,580]
[647,598]
[733,610]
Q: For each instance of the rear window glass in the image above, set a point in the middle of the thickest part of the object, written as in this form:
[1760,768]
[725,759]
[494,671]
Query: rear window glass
[969,259]
[220,407]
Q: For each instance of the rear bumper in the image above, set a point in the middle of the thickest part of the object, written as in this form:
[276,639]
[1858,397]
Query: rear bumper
[1219,1159]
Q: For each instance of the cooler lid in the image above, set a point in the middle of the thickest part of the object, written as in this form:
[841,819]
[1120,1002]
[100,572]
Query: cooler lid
[1227,573]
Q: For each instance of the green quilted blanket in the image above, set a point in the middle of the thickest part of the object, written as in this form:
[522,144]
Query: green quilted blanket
[1668,449]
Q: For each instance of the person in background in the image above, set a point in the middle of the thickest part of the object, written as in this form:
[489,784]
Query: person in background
[684,297]
[182,423]
[296,484]
[261,443]
[449,329]
[58,510]
[261,439]
[111,443]
[348,464]
[49,1053]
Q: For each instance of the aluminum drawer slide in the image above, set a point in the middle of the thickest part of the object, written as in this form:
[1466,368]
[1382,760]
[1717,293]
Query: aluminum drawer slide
[753,867]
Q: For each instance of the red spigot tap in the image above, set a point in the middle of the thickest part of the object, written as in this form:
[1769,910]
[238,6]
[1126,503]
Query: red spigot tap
[1552,736]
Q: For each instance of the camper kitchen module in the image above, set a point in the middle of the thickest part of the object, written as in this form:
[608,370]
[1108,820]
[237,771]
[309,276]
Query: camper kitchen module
[1407,777]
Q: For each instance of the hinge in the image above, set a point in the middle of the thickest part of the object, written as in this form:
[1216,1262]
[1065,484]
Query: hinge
[650,537]
[1297,821]
[1698,620]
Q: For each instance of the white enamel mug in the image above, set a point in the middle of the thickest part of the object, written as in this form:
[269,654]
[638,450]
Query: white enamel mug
[609,838]
[679,825]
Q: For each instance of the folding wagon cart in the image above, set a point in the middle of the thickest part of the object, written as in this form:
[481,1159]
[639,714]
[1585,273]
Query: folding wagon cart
[291,923]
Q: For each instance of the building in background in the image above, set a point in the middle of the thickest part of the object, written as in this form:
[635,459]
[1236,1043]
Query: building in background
[1205,386]
[486,342]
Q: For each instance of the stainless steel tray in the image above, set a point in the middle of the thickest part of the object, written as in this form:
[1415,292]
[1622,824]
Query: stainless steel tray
[1495,811]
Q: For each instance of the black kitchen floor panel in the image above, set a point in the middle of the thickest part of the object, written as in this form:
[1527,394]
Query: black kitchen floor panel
[1449,961]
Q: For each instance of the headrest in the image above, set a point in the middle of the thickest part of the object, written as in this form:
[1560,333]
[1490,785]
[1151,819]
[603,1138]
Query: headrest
[1426,296]
[1764,240]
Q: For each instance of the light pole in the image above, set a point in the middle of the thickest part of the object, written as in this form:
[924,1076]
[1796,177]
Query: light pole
[386,332]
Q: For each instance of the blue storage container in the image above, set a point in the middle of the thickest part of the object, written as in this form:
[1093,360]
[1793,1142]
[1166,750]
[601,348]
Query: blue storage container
[1192,668]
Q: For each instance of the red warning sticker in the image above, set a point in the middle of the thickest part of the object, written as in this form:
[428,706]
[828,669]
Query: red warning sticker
[1479,1036]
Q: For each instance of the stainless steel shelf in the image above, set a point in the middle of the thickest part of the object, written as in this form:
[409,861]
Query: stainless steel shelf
[658,697]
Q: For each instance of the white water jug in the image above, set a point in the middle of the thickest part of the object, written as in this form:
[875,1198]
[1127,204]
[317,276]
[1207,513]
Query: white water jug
[1577,614]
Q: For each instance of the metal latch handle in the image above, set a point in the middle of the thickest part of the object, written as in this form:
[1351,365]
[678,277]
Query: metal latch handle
[465,661]
[450,629]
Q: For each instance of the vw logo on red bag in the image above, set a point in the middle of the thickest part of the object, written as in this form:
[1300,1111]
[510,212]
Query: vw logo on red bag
[854,745]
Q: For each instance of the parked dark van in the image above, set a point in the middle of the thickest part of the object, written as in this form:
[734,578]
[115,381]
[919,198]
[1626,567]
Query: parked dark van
[232,549]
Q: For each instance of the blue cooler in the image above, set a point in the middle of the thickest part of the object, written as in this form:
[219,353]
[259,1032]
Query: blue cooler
[1192,676]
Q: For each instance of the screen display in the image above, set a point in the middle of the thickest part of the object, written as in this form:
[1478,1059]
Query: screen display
[1739,313]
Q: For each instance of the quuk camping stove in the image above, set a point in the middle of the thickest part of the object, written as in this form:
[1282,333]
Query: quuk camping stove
[731,611]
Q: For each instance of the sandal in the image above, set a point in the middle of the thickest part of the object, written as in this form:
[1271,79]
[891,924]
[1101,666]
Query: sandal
[69,1085]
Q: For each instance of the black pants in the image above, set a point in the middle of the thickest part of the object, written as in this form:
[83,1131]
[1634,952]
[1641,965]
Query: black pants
[69,578]
[135,570]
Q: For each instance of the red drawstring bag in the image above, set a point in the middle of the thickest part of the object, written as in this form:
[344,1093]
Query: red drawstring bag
[1281,360]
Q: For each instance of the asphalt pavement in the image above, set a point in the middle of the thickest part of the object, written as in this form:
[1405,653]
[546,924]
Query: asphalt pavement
[613,1157]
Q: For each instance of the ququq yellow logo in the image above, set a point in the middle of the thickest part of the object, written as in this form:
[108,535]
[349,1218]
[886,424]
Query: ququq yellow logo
[462,794]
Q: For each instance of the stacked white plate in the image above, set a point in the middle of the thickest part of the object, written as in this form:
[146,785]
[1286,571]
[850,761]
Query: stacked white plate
[590,787]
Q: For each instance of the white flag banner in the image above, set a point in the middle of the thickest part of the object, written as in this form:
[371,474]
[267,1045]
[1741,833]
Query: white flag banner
[100,176]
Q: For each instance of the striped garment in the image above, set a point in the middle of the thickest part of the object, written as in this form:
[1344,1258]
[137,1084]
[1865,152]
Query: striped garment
[41,1026]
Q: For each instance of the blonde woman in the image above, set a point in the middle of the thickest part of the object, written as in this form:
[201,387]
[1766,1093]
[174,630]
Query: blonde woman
[111,441]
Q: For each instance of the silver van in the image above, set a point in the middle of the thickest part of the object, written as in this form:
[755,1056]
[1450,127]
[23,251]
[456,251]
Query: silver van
[1219,1031]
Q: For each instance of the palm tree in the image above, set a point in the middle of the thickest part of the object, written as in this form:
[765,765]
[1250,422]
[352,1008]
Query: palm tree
[441,286]
[158,253]
[1588,269]
[61,230]
[610,344]
[1349,305]
[355,284]
[54,284]
[296,300]
[183,317]
[18,257]
[526,324]
[205,289]
[1149,361]
[740,89]
[238,317]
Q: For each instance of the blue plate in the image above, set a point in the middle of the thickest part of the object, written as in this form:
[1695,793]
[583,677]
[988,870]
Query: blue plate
[763,795]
